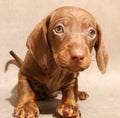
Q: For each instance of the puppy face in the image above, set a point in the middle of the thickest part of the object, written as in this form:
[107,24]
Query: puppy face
[72,34]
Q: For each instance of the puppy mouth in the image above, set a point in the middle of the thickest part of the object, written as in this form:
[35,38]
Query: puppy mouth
[73,67]
[73,70]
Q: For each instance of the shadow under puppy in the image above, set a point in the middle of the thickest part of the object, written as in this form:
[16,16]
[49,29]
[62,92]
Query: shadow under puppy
[59,47]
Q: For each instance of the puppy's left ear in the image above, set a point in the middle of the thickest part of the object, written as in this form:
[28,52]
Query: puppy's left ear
[101,52]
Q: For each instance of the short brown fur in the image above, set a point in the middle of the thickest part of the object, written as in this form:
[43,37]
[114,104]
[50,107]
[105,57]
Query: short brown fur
[59,47]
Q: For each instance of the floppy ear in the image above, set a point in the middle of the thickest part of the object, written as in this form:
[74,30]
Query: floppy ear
[101,53]
[37,42]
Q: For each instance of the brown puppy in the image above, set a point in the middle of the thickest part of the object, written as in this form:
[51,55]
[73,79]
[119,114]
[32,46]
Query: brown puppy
[59,48]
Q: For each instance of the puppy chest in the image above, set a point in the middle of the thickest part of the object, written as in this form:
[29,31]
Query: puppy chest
[54,81]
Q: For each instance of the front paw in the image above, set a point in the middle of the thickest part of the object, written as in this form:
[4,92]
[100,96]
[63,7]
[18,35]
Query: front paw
[68,111]
[27,110]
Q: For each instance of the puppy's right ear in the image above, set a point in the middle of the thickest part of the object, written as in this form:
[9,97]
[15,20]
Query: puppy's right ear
[37,42]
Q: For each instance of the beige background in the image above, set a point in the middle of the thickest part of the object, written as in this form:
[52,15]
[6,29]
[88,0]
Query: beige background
[18,18]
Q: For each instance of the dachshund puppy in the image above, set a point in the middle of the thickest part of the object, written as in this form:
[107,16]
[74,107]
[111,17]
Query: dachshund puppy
[59,47]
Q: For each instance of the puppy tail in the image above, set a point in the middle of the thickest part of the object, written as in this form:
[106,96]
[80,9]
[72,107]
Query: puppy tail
[18,62]
[18,59]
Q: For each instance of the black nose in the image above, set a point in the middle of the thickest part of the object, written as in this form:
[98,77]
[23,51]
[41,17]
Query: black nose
[77,54]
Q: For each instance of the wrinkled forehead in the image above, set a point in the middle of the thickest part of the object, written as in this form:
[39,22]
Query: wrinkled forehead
[67,14]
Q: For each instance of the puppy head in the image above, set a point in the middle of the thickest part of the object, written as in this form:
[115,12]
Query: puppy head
[68,34]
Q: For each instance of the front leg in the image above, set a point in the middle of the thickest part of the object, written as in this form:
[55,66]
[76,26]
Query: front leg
[68,107]
[27,106]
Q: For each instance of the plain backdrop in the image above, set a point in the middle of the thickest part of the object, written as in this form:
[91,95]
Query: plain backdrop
[19,17]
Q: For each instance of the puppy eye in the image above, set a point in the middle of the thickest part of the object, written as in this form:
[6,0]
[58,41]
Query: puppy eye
[59,29]
[91,33]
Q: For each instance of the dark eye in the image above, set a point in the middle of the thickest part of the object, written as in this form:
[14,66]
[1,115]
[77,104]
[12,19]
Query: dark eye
[91,33]
[59,29]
